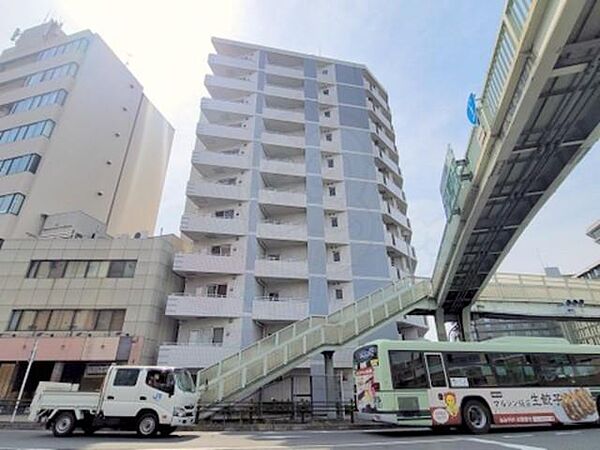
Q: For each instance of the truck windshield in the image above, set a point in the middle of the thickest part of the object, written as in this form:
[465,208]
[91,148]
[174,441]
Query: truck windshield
[184,381]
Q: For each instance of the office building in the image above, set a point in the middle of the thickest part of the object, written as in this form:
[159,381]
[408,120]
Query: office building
[77,133]
[84,303]
[295,203]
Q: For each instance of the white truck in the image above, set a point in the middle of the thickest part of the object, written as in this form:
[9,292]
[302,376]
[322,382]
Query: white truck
[147,399]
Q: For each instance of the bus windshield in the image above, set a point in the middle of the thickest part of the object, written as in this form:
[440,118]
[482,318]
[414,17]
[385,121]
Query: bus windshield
[184,380]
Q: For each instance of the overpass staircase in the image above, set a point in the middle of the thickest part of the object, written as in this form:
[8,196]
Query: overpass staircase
[239,375]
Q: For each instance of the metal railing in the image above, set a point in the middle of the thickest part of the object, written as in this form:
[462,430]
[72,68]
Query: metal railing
[268,357]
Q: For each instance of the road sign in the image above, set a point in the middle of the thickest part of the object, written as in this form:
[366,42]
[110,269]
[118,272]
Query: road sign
[472,110]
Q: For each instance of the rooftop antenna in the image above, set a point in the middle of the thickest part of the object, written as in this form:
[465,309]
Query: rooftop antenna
[15,35]
[48,15]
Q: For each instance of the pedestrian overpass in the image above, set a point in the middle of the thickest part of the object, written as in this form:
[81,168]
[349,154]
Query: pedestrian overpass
[538,116]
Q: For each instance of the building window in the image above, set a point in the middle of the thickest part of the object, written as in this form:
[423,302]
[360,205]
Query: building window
[328,137]
[327,113]
[81,269]
[11,203]
[67,320]
[218,334]
[220,250]
[225,214]
[25,163]
[334,222]
[66,70]
[339,294]
[330,163]
[325,91]
[274,296]
[216,290]
[29,131]
[30,103]
[79,45]
[332,191]
[336,256]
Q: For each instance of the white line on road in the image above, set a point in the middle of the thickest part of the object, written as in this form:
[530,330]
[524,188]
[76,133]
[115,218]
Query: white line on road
[566,433]
[517,436]
[505,444]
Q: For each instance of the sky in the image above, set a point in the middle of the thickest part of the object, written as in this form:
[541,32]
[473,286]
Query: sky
[429,55]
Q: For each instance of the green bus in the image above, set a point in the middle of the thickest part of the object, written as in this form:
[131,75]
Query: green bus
[507,380]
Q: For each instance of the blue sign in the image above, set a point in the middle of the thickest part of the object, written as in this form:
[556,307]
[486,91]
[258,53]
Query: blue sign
[472,110]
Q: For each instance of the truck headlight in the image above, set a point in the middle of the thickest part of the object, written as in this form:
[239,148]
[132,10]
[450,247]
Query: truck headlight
[178,411]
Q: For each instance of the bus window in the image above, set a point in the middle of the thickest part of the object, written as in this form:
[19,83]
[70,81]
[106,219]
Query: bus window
[408,370]
[587,369]
[469,370]
[435,367]
[513,369]
[554,369]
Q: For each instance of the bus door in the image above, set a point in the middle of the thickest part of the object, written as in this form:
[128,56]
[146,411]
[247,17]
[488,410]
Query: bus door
[443,403]
[436,371]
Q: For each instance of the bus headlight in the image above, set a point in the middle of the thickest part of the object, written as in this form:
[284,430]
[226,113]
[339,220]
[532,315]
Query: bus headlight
[178,411]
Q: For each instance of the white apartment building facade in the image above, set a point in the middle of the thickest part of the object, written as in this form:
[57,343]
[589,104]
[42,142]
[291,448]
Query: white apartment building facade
[295,204]
[77,133]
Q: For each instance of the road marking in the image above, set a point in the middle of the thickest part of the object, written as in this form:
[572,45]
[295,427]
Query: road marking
[517,436]
[565,433]
[505,444]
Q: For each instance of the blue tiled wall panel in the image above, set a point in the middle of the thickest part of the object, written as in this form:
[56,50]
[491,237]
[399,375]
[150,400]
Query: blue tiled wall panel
[359,166]
[356,141]
[349,74]
[354,117]
[361,194]
[365,226]
[311,111]
[310,88]
[349,95]
[369,260]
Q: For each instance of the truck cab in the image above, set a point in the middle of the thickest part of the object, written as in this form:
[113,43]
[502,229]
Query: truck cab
[147,399]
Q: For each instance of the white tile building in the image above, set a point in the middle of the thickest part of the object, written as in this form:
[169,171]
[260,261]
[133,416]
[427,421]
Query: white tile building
[294,205]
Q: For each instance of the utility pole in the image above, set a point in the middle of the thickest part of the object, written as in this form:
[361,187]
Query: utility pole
[29,364]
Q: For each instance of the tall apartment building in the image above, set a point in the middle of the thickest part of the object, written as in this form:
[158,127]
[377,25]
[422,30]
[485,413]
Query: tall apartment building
[77,133]
[295,202]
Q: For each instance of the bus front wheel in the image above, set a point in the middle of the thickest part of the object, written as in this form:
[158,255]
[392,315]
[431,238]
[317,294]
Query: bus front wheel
[476,416]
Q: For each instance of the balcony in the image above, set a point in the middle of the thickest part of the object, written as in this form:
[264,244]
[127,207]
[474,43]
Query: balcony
[283,309]
[217,159]
[183,306]
[282,197]
[286,269]
[292,115]
[388,184]
[382,136]
[196,226]
[377,111]
[283,91]
[195,263]
[282,231]
[243,106]
[332,173]
[336,202]
[285,71]
[389,162]
[202,191]
[377,95]
[337,235]
[193,355]
[215,83]
[224,60]
[395,215]
[400,245]
[339,271]
[283,167]
[282,139]
[212,135]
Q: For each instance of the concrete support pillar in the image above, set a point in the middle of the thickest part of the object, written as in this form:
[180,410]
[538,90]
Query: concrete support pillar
[440,325]
[465,324]
[330,384]
[57,371]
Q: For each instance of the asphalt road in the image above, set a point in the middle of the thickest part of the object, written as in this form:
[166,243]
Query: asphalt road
[519,439]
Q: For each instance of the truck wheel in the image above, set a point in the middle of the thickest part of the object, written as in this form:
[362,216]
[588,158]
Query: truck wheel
[166,430]
[64,424]
[147,424]
[476,417]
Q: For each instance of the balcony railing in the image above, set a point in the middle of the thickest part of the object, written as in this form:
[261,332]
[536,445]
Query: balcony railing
[193,355]
[197,305]
[285,140]
[275,230]
[203,223]
[210,158]
[283,268]
[282,197]
[207,263]
[206,189]
[282,309]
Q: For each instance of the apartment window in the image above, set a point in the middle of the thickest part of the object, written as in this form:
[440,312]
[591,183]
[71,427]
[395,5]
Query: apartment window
[218,334]
[38,101]
[61,319]
[227,181]
[329,137]
[325,91]
[66,70]
[29,131]
[216,290]
[327,113]
[334,222]
[330,163]
[220,250]
[11,203]
[80,45]
[274,257]
[336,256]
[339,294]
[274,296]
[332,191]
[225,214]
[81,269]
[25,163]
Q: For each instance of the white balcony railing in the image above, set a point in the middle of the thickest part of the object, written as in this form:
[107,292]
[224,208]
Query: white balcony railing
[281,197]
[203,223]
[206,189]
[282,309]
[212,131]
[224,60]
[190,305]
[242,106]
[282,167]
[208,158]
[281,91]
[289,231]
[292,269]
[193,355]
[205,263]
[229,83]
[285,71]
[284,140]
[395,214]
[292,115]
